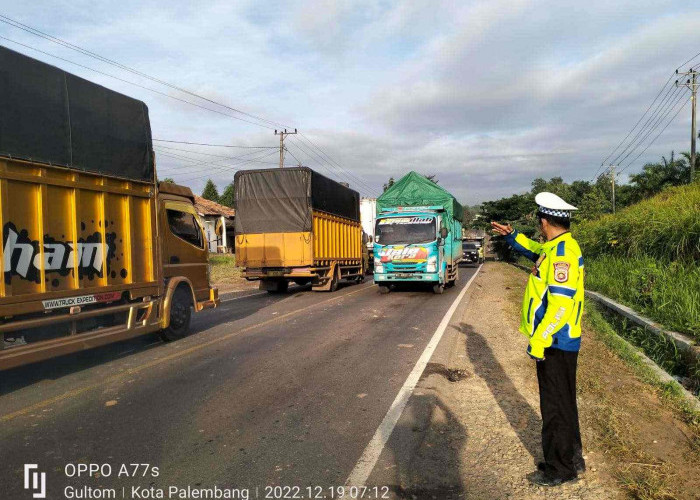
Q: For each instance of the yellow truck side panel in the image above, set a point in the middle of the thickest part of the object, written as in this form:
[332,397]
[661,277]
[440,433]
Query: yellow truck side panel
[333,238]
[65,233]
[274,250]
[336,238]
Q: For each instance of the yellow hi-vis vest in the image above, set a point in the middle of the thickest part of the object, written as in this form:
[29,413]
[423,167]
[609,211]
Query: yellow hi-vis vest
[553,302]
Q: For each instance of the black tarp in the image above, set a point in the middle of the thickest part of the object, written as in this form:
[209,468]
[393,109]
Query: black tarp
[50,116]
[280,200]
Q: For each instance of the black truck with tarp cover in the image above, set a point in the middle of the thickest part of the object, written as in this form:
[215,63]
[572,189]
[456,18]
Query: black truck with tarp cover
[53,117]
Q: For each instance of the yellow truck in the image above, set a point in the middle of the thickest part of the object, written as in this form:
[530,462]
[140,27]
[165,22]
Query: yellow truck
[295,225]
[94,248]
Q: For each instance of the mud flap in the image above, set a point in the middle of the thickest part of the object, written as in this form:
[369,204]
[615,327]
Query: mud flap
[330,281]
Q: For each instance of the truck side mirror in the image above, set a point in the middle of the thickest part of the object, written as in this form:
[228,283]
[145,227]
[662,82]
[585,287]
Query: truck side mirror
[443,233]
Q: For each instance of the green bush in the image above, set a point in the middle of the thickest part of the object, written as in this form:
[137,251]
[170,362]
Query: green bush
[666,227]
[666,291]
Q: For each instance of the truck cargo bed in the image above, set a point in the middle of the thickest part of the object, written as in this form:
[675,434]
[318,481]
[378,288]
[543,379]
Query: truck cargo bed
[72,238]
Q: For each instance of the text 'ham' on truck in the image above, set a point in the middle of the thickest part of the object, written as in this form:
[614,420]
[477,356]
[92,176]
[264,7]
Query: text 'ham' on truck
[295,225]
[94,248]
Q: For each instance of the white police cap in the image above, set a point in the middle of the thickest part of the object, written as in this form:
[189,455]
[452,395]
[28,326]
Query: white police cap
[551,204]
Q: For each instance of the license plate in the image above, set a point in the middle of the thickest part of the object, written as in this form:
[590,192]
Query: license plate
[275,273]
[403,275]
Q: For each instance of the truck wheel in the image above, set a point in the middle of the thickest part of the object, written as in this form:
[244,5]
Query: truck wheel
[453,281]
[438,288]
[383,289]
[334,280]
[180,316]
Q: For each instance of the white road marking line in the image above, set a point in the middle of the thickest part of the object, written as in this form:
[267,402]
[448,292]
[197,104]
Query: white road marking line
[243,297]
[368,460]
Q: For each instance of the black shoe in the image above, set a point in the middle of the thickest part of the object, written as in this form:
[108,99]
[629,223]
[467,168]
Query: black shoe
[580,466]
[541,479]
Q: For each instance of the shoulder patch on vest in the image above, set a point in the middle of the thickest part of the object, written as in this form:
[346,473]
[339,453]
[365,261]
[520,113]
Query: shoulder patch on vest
[561,272]
[561,249]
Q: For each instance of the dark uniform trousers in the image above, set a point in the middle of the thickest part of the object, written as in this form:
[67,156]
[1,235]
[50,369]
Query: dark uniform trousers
[561,436]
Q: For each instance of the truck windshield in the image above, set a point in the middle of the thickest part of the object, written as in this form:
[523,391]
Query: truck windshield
[468,246]
[405,230]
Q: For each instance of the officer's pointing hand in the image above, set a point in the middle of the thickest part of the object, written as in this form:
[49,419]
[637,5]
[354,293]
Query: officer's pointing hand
[502,229]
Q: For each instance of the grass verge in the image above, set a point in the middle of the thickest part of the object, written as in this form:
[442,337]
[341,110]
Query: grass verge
[222,269]
[667,292]
[605,331]
[620,420]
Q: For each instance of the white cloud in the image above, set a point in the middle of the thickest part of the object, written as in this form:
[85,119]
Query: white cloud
[484,94]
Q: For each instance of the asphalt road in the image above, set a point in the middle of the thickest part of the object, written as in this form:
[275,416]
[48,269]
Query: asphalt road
[269,390]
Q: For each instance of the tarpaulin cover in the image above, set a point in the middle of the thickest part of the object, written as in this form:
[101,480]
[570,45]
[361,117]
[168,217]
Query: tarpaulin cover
[281,200]
[50,116]
[414,190]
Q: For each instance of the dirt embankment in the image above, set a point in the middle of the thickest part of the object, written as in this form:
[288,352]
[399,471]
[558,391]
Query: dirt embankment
[634,445]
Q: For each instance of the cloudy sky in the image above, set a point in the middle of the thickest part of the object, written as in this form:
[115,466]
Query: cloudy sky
[486,95]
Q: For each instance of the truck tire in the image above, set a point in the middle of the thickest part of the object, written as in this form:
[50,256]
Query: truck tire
[335,279]
[438,288]
[383,289]
[180,315]
[453,281]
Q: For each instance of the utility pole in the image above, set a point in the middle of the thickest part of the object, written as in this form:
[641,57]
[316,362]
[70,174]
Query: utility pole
[692,84]
[282,134]
[612,180]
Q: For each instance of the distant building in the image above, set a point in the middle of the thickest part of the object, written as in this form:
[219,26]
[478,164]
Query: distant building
[218,224]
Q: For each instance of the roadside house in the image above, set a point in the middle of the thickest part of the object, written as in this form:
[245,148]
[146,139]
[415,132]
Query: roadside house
[218,224]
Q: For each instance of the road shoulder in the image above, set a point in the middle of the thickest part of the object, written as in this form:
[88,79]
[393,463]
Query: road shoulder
[472,427]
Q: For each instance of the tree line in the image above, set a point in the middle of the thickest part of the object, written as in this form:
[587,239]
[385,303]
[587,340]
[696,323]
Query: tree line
[211,192]
[593,199]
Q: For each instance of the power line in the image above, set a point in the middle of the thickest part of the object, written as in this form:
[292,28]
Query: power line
[167,148]
[228,168]
[357,179]
[694,57]
[234,171]
[312,156]
[643,115]
[656,124]
[658,135]
[671,93]
[292,154]
[301,147]
[36,32]
[223,166]
[129,82]
[54,39]
[348,176]
[635,125]
[215,145]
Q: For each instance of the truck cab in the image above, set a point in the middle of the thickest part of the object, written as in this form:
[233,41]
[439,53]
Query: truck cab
[413,245]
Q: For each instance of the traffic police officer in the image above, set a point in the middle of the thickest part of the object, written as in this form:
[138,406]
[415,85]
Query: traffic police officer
[551,319]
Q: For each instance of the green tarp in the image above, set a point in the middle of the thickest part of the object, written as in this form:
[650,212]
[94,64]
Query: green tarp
[414,190]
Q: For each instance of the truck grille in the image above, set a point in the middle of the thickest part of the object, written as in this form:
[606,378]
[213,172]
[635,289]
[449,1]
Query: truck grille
[407,268]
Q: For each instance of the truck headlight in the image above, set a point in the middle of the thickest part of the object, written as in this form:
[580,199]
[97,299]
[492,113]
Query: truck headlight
[431,267]
[378,268]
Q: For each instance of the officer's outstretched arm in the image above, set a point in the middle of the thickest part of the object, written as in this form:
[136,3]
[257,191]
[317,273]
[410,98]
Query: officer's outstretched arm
[562,279]
[524,245]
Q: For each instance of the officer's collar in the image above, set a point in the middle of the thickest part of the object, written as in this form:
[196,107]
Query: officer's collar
[565,233]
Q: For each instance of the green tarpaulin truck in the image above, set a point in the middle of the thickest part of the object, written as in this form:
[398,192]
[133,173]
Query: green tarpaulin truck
[418,235]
